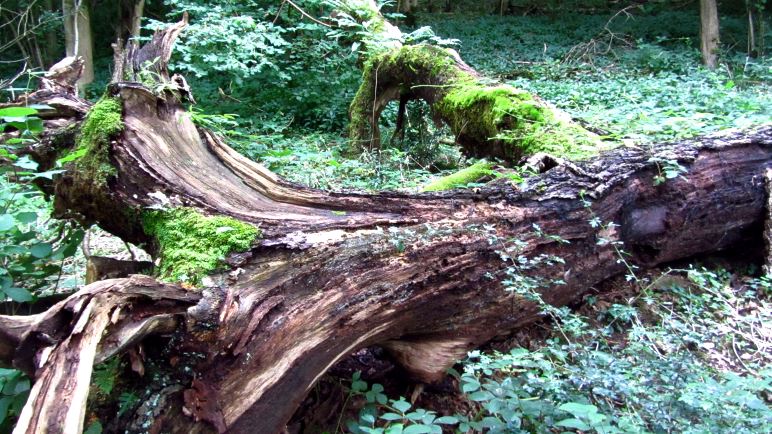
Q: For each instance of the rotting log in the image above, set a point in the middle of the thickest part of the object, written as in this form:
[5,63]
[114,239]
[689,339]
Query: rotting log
[324,277]
[487,118]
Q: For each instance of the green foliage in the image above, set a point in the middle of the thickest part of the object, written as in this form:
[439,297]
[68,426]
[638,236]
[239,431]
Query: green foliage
[694,365]
[322,160]
[14,389]
[32,247]
[192,245]
[262,61]
[461,178]
[105,375]
[652,91]
[382,415]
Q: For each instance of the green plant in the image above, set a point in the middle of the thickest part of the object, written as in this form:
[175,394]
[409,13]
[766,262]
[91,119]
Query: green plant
[382,415]
[666,169]
[694,365]
[14,388]
[32,248]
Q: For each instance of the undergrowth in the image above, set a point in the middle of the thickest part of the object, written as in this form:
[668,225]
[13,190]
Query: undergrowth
[684,351]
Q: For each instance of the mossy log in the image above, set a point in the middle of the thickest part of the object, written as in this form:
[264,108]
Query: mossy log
[305,277]
[487,119]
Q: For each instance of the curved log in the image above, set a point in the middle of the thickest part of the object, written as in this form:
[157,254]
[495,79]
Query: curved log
[335,272]
[487,118]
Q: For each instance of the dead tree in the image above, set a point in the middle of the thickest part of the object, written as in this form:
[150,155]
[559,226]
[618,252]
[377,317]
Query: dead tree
[486,118]
[309,276]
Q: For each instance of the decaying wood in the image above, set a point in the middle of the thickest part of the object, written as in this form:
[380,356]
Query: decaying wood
[336,271]
[101,268]
[59,347]
[768,222]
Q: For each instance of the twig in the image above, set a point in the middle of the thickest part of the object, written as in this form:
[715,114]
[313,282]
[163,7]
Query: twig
[302,12]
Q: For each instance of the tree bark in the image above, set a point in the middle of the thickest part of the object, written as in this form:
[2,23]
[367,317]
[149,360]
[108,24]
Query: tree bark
[77,37]
[709,34]
[333,272]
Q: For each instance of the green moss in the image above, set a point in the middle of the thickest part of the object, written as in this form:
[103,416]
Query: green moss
[103,121]
[488,120]
[192,245]
[460,178]
[417,65]
[512,116]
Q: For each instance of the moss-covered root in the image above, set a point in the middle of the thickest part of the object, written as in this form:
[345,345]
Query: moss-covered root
[460,178]
[191,245]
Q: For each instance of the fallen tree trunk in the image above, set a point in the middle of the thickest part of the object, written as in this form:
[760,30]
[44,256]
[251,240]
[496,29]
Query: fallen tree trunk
[310,276]
[487,118]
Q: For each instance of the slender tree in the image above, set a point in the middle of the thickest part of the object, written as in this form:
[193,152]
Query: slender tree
[78,38]
[709,37]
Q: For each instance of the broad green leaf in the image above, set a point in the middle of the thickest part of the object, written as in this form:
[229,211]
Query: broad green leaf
[417,429]
[578,410]
[7,222]
[72,156]
[401,405]
[94,428]
[41,250]
[574,423]
[447,420]
[27,217]
[19,295]
[5,402]
[20,112]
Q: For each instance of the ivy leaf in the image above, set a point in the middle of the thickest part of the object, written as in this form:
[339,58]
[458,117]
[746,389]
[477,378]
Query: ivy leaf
[27,217]
[417,429]
[574,423]
[401,405]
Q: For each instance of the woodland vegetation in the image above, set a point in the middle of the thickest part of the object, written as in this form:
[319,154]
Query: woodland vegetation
[411,216]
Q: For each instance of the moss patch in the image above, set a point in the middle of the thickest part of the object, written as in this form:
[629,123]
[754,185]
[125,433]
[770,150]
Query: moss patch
[487,119]
[410,65]
[104,121]
[192,245]
[460,178]
[514,118]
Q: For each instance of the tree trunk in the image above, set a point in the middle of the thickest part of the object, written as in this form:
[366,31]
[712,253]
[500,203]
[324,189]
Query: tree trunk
[77,37]
[709,38]
[311,276]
